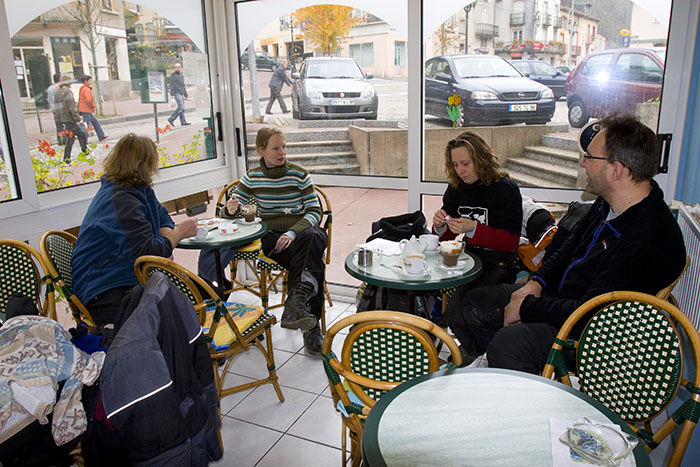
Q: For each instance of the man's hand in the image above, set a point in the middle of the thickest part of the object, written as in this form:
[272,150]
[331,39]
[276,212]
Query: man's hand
[512,312]
[461,225]
[232,205]
[283,243]
[531,288]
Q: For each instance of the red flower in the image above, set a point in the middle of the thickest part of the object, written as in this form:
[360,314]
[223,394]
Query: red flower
[90,128]
[207,130]
[106,146]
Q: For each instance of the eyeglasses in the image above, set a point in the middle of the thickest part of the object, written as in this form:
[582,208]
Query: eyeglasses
[587,155]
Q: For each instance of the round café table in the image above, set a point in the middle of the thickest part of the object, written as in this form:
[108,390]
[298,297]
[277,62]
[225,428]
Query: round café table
[477,417]
[245,234]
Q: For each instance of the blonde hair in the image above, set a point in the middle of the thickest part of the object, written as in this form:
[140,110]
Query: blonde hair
[264,135]
[132,161]
[485,161]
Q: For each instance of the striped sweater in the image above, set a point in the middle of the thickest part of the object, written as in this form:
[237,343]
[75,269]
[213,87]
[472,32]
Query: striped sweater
[285,195]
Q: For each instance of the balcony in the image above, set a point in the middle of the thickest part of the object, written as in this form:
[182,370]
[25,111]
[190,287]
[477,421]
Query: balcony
[547,20]
[538,47]
[517,19]
[559,22]
[486,30]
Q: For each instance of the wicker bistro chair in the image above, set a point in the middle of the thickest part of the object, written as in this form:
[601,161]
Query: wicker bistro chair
[23,271]
[382,350]
[203,296]
[271,272]
[56,247]
[629,357]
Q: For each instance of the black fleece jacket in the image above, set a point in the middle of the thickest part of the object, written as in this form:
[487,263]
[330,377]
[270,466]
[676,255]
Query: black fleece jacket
[640,250]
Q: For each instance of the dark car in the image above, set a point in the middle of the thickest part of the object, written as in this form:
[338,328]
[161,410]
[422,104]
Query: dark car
[491,91]
[263,61]
[333,87]
[613,81]
[543,73]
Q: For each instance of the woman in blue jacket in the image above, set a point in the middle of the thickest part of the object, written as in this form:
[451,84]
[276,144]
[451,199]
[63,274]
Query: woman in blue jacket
[124,221]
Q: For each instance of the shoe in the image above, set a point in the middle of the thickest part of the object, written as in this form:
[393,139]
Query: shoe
[286,112]
[66,161]
[171,122]
[295,315]
[313,341]
[268,113]
[466,358]
[103,138]
[185,124]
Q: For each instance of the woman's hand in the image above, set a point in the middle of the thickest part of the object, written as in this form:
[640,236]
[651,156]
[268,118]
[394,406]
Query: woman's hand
[461,225]
[283,243]
[440,218]
[232,206]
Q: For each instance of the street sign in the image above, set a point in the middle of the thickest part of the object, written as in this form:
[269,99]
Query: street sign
[626,41]
[625,32]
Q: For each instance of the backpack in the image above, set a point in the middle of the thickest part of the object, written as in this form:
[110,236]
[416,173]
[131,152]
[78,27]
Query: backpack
[401,227]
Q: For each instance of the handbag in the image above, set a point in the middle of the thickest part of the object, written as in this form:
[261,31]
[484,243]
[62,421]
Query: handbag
[401,227]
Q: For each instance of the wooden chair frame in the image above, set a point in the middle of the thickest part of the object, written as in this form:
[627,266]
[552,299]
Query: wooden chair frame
[80,312]
[687,415]
[43,278]
[192,284]
[339,371]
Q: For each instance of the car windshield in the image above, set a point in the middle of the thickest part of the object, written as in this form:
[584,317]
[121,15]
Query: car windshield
[483,67]
[661,54]
[334,69]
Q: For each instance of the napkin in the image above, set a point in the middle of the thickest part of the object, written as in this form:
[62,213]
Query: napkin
[386,247]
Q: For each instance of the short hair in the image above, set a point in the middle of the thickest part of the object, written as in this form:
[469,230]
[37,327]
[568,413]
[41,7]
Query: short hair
[56,77]
[632,144]
[86,78]
[132,161]
[264,135]
[485,161]
[65,80]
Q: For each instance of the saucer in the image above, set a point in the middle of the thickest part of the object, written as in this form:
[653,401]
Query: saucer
[245,222]
[432,252]
[461,264]
[401,271]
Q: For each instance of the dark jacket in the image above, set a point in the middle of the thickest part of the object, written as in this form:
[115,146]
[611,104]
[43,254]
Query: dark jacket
[279,78]
[64,103]
[176,84]
[121,224]
[158,387]
[641,250]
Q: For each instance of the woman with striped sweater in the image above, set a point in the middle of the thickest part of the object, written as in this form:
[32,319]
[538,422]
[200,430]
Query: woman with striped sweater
[288,204]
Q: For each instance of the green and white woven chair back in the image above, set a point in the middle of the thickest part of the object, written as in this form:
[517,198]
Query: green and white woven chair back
[629,358]
[175,279]
[61,252]
[387,354]
[18,275]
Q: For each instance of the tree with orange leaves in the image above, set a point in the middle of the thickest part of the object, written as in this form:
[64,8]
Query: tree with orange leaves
[327,27]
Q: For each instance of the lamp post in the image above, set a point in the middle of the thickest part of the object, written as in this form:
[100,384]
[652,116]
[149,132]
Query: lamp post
[292,50]
[467,9]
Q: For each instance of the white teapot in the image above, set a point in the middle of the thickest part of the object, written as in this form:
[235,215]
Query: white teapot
[412,246]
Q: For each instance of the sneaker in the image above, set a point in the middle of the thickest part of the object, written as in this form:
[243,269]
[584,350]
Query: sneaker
[185,124]
[313,341]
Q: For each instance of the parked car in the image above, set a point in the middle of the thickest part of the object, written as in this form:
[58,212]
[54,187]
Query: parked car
[543,73]
[491,91]
[263,61]
[333,87]
[613,81]
[565,69]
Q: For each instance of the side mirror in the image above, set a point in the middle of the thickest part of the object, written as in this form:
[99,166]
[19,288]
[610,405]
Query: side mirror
[443,77]
[296,75]
[369,75]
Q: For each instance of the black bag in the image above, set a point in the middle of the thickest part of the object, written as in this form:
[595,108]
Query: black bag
[401,227]
[372,297]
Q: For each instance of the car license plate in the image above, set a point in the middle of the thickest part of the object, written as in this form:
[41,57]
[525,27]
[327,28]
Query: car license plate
[342,102]
[522,107]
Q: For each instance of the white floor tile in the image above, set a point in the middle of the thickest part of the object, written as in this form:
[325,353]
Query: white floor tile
[253,364]
[245,444]
[295,452]
[229,402]
[263,408]
[289,340]
[320,423]
[305,373]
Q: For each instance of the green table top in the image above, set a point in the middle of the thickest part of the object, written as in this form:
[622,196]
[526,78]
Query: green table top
[388,275]
[476,416]
[246,233]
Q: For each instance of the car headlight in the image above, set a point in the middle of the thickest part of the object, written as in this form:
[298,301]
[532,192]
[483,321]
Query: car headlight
[312,93]
[483,96]
[548,94]
[368,92]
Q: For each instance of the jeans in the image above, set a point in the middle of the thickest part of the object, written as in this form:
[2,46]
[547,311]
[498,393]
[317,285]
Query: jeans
[180,111]
[206,266]
[74,130]
[91,120]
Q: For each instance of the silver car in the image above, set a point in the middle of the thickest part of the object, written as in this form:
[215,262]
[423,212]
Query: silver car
[333,87]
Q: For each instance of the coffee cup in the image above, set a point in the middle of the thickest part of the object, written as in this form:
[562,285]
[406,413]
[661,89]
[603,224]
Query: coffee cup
[248,211]
[365,257]
[415,263]
[202,233]
[430,241]
[450,251]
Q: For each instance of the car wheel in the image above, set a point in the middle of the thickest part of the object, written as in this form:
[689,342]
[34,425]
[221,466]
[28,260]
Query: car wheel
[295,111]
[577,114]
[462,120]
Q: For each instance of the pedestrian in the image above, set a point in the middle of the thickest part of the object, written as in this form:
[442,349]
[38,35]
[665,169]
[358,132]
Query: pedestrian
[176,82]
[67,115]
[86,107]
[278,80]
[51,98]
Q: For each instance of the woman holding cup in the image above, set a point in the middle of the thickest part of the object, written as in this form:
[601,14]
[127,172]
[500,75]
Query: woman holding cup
[484,205]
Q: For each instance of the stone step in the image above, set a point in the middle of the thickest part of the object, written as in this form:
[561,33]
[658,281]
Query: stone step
[309,160]
[353,169]
[312,146]
[310,135]
[544,170]
[527,180]
[566,141]
[550,155]
[333,123]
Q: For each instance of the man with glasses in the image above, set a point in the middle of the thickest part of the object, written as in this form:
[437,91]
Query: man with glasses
[629,240]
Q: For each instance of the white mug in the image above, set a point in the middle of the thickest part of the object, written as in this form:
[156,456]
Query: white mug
[415,263]
[430,241]
[202,233]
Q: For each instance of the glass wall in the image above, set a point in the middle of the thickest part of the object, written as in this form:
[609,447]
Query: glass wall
[8,181]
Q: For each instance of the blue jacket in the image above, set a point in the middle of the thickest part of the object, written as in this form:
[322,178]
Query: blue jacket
[121,224]
[279,78]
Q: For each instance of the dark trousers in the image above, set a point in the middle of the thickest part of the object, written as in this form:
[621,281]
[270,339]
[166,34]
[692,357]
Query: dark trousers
[304,255]
[74,130]
[60,139]
[105,307]
[275,95]
[524,347]
[91,120]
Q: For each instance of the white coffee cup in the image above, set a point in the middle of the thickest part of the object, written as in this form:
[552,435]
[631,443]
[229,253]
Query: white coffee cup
[202,233]
[415,263]
[430,241]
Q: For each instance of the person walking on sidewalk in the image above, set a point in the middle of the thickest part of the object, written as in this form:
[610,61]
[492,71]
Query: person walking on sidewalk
[67,115]
[86,107]
[51,98]
[176,82]
[278,80]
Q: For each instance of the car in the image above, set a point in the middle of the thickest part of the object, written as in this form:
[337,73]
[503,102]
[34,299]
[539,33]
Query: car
[613,81]
[543,73]
[333,87]
[565,69]
[490,91]
[263,61]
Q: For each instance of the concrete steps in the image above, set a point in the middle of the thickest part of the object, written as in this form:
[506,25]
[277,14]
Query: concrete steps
[553,164]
